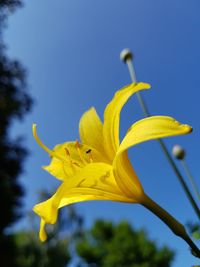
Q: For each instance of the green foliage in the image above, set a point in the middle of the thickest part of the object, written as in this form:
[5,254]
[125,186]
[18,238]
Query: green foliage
[108,245]
[32,253]
[194,229]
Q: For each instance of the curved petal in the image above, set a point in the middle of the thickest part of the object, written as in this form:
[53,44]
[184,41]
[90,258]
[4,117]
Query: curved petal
[95,182]
[74,196]
[126,177]
[143,130]
[91,130]
[112,117]
[152,128]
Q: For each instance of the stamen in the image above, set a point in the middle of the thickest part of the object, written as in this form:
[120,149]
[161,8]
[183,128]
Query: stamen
[70,160]
[90,158]
[76,164]
[78,146]
[90,155]
[67,152]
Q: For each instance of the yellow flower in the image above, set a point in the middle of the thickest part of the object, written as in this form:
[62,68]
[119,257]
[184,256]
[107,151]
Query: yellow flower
[98,167]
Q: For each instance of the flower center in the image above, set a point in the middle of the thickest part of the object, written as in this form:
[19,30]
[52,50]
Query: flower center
[77,154]
[72,156]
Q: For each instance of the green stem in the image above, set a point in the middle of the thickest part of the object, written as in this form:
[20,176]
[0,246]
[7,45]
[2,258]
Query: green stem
[191,178]
[176,227]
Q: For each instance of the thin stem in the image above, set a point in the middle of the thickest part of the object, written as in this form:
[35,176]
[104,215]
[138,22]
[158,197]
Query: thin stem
[162,144]
[175,226]
[139,97]
[180,178]
[191,178]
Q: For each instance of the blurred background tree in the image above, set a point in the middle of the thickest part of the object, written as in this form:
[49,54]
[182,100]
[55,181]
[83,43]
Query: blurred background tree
[109,245]
[31,252]
[14,104]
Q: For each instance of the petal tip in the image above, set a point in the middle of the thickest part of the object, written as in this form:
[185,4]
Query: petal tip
[43,237]
[188,128]
[92,108]
[34,127]
[42,232]
[145,85]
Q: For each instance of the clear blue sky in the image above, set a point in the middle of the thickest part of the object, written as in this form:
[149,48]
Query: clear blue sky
[71,50]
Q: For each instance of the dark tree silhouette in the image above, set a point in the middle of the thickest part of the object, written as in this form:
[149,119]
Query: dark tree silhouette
[9,5]
[14,104]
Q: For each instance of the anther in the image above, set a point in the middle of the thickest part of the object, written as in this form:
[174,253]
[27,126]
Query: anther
[88,151]
[78,146]
[68,155]
[67,152]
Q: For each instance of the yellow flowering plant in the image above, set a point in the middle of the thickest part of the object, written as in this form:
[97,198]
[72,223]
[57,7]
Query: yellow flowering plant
[98,168]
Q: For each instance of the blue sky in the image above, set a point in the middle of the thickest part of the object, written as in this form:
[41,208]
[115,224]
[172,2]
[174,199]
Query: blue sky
[71,50]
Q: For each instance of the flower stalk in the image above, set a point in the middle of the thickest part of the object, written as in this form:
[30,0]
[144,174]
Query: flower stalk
[180,154]
[175,226]
[191,178]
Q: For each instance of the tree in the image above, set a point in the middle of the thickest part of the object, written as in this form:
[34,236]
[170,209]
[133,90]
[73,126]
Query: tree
[14,104]
[32,253]
[109,245]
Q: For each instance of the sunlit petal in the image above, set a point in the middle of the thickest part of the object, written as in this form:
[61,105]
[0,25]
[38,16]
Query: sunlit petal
[112,116]
[91,130]
[48,210]
[152,128]
[126,177]
[95,182]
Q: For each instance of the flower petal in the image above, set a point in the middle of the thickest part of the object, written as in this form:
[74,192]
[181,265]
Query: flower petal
[126,177]
[91,130]
[95,182]
[143,130]
[152,128]
[112,117]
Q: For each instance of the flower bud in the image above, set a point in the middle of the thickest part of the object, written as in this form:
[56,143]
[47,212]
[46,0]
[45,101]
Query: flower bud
[178,152]
[125,55]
